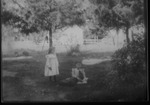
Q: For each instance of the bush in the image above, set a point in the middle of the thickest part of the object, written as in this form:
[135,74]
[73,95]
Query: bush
[112,80]
[16,54]
[74,51]
[129,61]
[25,53]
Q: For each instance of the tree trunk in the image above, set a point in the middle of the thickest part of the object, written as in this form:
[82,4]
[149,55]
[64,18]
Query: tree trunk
[132,35]
[127,35]
[50,38]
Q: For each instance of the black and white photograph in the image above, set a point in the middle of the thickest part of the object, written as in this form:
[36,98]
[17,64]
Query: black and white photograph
[74,51]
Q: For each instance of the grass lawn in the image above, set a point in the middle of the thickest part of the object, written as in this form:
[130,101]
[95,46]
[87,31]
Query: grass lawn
[29,83]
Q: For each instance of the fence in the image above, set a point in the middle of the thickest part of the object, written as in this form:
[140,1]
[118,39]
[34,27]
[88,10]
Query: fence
[91,41]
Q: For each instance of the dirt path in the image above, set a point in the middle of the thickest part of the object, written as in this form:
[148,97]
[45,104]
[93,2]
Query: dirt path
[16,58]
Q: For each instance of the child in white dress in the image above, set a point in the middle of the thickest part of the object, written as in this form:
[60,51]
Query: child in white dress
[52,65]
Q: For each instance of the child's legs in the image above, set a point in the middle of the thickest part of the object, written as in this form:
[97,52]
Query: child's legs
[54,77]
[84,76]
[50,78]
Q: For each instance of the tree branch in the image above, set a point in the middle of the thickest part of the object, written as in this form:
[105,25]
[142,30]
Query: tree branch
[18,4]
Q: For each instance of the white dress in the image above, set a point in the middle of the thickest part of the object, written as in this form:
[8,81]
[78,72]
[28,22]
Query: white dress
[51,62]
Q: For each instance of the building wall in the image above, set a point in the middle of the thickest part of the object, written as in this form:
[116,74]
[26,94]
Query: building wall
[70,36]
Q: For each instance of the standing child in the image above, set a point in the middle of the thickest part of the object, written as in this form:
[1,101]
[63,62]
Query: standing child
[51,67]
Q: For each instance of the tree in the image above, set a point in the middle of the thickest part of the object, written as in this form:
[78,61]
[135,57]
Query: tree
[46,15]
[119,14]
[92,25]
[16,15]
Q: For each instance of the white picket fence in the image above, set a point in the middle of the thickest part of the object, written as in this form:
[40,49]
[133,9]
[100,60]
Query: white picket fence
[91,41]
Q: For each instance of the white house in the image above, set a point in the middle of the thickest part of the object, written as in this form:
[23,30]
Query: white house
[70,36]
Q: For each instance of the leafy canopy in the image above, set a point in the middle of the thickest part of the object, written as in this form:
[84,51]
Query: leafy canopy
[119,13]
[35,15]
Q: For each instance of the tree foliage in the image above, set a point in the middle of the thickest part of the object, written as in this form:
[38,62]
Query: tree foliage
[117,14]
[121,12]
[71,14]
[16,15]
[131,60]
[36,15]
[44,14]
[100,15]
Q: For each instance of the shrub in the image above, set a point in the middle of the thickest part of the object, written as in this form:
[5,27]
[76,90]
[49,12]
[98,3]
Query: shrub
[112,80]
[25,53]
[17,54]
[129,61]
[74,51]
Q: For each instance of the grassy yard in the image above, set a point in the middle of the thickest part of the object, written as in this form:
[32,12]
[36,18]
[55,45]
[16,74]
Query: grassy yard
[29,83]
